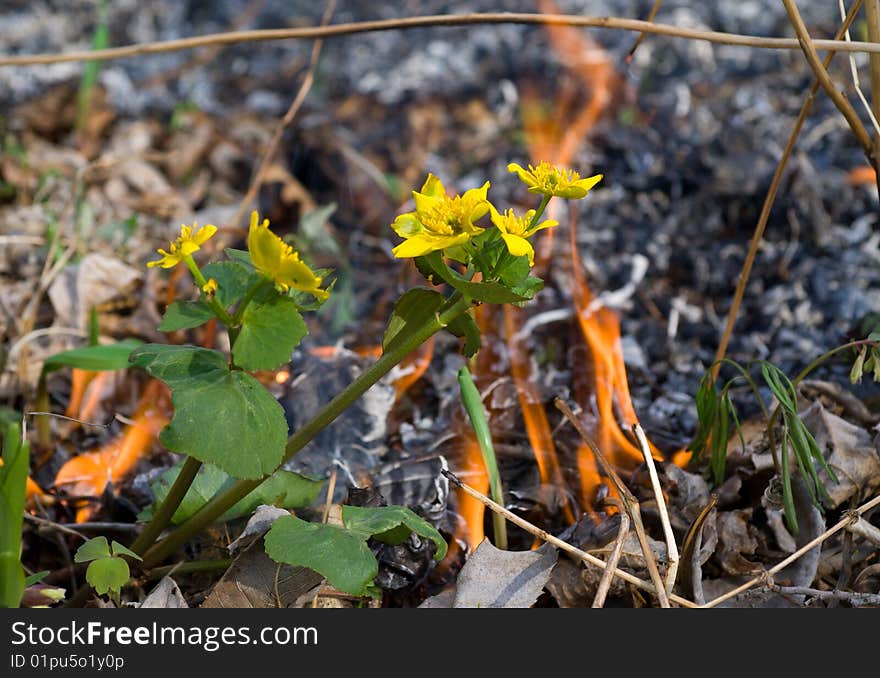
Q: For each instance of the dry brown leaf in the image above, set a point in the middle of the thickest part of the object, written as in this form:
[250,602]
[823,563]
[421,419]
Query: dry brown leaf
[256,581]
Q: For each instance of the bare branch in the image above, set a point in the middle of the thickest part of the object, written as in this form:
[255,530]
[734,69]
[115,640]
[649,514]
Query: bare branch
[316,32]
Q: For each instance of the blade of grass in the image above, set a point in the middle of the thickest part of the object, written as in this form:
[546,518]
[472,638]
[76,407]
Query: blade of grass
[473,405]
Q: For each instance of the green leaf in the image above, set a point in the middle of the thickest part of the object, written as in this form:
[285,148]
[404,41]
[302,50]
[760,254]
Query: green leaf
[98,358]
[341,555]
[240,257]
[465,326]
[233,279]
[107,574]
[513,271]
[36,577]
[94,548]
[385,523]
[13,481]
[411,311]
[269,332]
[119,550]
[284,489]
[855,374]
[184,315]
[221,416]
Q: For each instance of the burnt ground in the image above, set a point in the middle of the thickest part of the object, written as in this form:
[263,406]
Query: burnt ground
[688,145]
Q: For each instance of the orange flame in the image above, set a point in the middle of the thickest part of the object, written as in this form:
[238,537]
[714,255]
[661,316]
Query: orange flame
[87,474]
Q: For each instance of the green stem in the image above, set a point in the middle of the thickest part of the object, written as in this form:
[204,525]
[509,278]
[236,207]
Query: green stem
[166,510]
[803,374]
[261,284]
[506,256]
[539,212]
[189,568]
[449,311]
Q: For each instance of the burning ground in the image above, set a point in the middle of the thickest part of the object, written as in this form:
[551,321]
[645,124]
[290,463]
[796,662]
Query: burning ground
[639,280]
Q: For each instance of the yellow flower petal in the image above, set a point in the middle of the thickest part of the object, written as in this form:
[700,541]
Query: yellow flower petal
[191,239]
[433,187]
[518,246]
[550,180]
[279,262]
[439,221]
[547,223]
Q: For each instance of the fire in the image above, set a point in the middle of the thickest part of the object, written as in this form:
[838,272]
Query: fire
[87,474]
[554,133]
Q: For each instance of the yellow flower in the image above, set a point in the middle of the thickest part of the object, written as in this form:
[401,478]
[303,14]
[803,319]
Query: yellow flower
[191,240]
[278,261]
[552,180]
[439,221]
[210,287]
[516,229]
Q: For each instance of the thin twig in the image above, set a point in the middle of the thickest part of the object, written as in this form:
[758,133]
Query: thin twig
[52,526]
[331,490]
[821,73]
[650,18]
[284,123]
[316,32]
[543,535]
[872,21]
[769,199]
[851,518]
[628,498]
[614,556]
[671,547]
[865,530]
[854,598]
[854,71]
[690,552]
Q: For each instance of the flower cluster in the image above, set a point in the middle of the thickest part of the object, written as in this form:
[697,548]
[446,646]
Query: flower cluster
[445,223]
[273,258]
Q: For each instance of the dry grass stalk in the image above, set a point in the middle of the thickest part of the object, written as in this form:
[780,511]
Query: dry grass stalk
[770,198]
[627,498]
[321,32]
[613,557]
[284,123]
[543,535]
[671,547]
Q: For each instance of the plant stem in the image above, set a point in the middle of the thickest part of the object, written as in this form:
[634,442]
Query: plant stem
[449,311]
[189,568]
[872,21]
[539,212]
[166,510]
[199,277]
[770,198]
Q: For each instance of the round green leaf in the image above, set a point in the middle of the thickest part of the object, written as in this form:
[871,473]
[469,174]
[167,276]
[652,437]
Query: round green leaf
[269,332]
[94,548]
[339,554]
[221,416]
[107,574]
[233,280]
[391,524]
[183,315]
